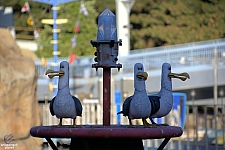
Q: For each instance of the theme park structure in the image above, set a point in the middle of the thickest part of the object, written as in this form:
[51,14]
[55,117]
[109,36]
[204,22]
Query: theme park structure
[106,136]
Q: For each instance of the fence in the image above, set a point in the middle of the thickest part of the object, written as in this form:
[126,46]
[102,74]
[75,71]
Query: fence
[183,55]
[203,130]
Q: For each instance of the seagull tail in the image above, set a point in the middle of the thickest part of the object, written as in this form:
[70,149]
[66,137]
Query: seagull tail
[121,112]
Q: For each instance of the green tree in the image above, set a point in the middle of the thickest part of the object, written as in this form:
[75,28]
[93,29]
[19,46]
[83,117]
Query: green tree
[167,22]
[88,30]
[70,11]
[155,23]
[160,22]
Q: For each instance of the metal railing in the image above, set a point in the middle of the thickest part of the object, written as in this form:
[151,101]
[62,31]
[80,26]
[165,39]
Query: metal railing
[199,130]
[186,55]
[183,55]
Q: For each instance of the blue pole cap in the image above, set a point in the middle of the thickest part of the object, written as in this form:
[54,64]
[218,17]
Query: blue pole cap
[107,26]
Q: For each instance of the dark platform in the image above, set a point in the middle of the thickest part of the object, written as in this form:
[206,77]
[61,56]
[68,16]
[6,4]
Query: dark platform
[111,137]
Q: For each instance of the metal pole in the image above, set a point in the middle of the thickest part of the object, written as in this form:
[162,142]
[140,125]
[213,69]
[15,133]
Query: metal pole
[196,128]
[215,77]
[51,143]
[106,95]
[194,113]
[54,3]
[187,125]
[123,23]
[206,127]
[221,93]
[163,144]
[55,45]
[223,123]
[215,94]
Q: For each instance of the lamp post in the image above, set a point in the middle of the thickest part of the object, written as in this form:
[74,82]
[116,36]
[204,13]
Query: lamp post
[106,56]
[221,93]
[195,112]
[54,4]
[215,92]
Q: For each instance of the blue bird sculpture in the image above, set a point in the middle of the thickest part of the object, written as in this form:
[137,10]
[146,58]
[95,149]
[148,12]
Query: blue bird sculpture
[162,102]
[64,105]
[138,105]
[159,104]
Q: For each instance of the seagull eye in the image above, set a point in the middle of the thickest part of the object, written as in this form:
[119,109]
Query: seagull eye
[169,68]
[62,67]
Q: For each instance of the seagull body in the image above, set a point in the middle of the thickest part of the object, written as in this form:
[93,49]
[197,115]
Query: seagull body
[165,99]
[64,105]
[162,102]
[138,105]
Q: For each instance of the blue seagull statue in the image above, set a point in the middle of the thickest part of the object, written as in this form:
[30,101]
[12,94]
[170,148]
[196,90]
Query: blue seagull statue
[64,105]
[160,103]
[138,105]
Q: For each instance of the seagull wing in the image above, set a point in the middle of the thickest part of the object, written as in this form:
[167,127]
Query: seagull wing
[51,106]
[126,106]
[78,106]
[155,103]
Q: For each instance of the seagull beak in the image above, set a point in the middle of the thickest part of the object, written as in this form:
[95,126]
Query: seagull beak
[51,73]
[142,75]
[182,76]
